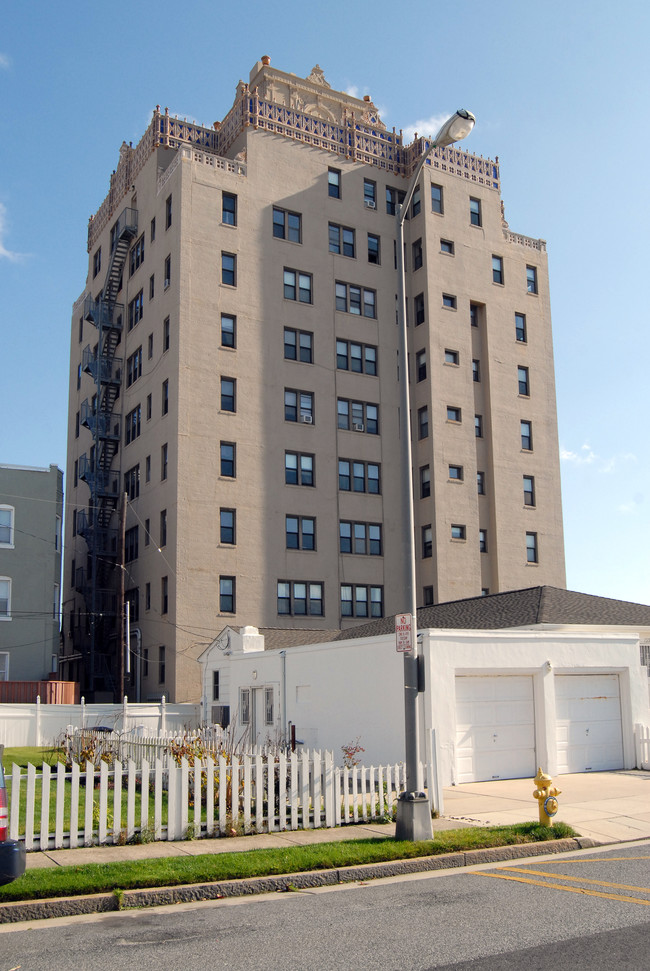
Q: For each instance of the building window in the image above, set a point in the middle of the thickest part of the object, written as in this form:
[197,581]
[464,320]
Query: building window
[227,459]
[147,531]
[427,542]
[497,269]
[7,526]
[446,246]
[147,469]
[5,598]
[428,596]
[168,212]
[421,365]
[449,301]
[245,705]
[167,277]
[357,416]
[369,194]
[341,240]
[228,389]
[136,310]
[358,600]
[298,345]
[482,541]
[298,468]
[227,595]
[229,208]
[164,595]
[164,459]
[268,706]
[148,407]
[165,397]
[425,482]
[334,183]
[351,299]
[131,484]
[457,531]
[300,532]
[227,526]
[152,230]
[229,269]
[474,313]
[97,262]
[423,422]
[531,279]
[361,358]
[150,346]
[152,286]
[359,476]
[475,216]
[419,309]
[417,254]
[133,367]
[531,548]
[287,225]
[363,539]
[131,544]
[297,286]
[373,249]
[165,334]
[136,256]
[478,426]
[436,199]
[523,381]
[394,197]
[298,406]
[416,204]
[480,483]
[454,413]
[132,425]
[529,490]
[520,328]
[300,599]
[527,435]
[228,330]
[163,528]
[456,473]
[215,686]
[476,370]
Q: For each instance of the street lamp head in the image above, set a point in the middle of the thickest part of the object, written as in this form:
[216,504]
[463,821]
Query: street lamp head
[458,126]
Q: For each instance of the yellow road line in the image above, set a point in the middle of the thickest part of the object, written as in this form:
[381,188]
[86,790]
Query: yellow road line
[560,886]
[593,859]
[564,876]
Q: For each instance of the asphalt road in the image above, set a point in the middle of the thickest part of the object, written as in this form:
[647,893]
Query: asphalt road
[589,910]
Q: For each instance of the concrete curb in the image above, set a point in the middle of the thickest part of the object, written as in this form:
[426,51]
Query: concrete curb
[103,902]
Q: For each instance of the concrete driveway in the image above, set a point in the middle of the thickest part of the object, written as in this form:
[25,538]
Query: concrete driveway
[607,806]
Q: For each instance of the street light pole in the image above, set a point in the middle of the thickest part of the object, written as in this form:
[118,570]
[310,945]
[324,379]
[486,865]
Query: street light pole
[413,815]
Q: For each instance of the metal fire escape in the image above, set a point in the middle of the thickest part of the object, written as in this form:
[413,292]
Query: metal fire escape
[99,469]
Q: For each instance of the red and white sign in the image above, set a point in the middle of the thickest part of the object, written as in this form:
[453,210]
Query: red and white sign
[404,632]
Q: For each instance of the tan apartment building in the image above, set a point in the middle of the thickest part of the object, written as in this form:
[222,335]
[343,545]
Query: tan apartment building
[234,373]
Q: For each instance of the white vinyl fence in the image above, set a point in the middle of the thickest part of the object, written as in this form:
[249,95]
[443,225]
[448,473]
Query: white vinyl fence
[57,808]
[642,746]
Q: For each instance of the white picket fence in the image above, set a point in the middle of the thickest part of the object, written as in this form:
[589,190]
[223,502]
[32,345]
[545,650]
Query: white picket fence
[140,744]
[642,746]
[54,808]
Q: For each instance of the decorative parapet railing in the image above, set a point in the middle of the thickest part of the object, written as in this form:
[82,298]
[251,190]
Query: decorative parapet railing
[202,158]
[538,244]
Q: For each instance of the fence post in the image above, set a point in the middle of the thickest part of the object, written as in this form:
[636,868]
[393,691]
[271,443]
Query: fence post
[38,720]
[83,712]
[125,714]
[163,714]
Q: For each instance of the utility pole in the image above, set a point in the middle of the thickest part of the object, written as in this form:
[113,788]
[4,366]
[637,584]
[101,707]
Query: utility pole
[120,603]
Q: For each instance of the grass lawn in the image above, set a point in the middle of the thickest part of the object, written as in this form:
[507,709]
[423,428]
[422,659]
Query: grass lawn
[106,877]
[31,753]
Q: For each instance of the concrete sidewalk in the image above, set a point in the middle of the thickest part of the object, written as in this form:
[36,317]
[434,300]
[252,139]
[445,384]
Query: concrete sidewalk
[606,806]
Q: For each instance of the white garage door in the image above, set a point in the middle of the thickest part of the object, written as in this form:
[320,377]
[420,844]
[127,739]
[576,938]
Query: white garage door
[495,728]
[589,735]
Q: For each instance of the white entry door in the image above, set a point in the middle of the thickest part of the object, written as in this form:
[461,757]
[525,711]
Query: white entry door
[495,728]
[589,734]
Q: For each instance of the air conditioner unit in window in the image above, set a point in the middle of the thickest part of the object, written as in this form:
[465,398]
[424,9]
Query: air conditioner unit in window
[370,203]
[358,426]
[306,419]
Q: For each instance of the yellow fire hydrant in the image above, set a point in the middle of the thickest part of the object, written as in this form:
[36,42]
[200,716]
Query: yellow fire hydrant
[545,794]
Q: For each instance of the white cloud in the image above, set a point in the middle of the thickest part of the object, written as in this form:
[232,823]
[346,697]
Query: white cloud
[4,252]
[586,456]
[5,63]
[425,126]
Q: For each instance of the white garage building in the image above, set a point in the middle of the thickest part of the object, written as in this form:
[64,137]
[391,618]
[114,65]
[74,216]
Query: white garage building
[540,676]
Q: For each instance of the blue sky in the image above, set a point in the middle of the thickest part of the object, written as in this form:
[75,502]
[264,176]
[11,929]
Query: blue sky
[560,92]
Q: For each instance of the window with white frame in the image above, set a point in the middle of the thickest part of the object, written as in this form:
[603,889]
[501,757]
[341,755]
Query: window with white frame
[7,526]
[4,665]
[268,705]
[5,598]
